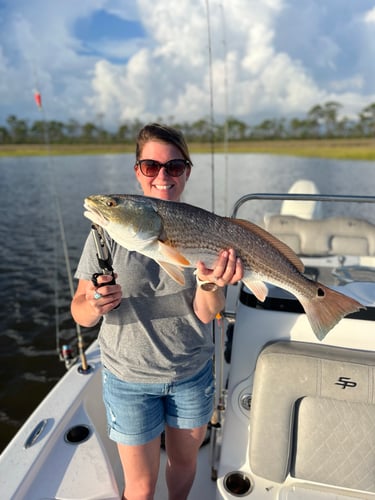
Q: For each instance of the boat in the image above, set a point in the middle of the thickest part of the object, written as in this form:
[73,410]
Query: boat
[294,416]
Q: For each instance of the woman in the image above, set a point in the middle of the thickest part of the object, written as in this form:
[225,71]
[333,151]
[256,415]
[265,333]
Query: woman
[156,347]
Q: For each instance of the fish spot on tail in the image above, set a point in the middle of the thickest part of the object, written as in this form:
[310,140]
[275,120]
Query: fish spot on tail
[327,309]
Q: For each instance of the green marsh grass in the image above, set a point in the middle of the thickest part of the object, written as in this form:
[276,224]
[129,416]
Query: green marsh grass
[343,149]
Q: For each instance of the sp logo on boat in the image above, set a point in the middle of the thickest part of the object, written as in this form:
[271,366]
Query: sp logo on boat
[346,382]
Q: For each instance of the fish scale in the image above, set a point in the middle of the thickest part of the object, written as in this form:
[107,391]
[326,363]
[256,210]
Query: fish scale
[178,235]
[213,245]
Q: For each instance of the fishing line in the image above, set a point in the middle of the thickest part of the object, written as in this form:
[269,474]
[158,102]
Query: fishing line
[212,123]
[226,109]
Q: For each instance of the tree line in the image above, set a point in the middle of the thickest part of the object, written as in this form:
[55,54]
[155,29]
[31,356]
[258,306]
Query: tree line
[321,121]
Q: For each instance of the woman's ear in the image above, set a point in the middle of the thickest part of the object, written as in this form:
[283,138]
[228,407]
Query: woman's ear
[136,171]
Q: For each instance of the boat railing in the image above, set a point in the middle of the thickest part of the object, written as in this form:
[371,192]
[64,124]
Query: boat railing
[321,236]
[300,197]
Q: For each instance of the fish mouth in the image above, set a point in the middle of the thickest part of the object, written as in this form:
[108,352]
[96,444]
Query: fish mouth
[94,215]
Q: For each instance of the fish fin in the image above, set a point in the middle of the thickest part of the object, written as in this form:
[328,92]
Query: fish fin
[278,244]
[258,288]
[173,271]
[326,309]
[172,255]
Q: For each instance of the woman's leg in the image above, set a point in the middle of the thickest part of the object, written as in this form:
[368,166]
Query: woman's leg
[140,464]
[182,446]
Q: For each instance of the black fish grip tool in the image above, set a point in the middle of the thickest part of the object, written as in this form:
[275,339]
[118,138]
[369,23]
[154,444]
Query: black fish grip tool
[103,256]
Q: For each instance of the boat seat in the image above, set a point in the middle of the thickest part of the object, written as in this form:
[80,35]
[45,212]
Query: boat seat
[313,415]
[317,237]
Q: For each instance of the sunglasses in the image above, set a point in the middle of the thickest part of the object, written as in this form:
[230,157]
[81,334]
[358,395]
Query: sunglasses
[174,168]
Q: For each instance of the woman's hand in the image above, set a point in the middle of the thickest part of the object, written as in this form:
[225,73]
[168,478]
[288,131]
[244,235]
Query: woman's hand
[227,270]
[103,298]
[91,302]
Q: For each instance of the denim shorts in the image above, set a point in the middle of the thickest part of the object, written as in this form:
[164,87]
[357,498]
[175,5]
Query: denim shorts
[137,412]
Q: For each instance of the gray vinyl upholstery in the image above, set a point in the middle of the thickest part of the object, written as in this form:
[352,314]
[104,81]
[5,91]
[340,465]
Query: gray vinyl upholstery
[304,422]
[335,443]
[331,236]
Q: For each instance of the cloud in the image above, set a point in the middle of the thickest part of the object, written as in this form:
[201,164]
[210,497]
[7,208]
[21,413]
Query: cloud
[41,53]
[260,78]
[369,16]
[117,49]
[270,58]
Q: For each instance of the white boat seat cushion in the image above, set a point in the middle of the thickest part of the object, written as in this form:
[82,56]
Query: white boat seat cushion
[331,236]
[313,415]
[335,443]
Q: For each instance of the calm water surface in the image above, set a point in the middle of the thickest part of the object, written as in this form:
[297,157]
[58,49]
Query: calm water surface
[32,264]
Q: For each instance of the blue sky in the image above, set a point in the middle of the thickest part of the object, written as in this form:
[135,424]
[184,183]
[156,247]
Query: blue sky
[148,59]
[102,27]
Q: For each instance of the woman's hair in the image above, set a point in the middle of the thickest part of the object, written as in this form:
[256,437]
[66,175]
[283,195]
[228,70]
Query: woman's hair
[161,133]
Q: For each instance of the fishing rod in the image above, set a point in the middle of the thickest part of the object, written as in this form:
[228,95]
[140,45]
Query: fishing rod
[218,328]
[65,353]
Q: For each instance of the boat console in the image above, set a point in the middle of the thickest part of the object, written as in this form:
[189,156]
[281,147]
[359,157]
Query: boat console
[300,413]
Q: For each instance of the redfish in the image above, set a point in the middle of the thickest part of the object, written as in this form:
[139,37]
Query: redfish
[177,235]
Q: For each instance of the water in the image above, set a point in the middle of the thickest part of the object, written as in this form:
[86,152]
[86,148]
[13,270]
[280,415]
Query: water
[32,260]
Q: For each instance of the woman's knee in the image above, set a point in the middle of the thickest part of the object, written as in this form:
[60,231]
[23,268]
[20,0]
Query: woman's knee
[182,445]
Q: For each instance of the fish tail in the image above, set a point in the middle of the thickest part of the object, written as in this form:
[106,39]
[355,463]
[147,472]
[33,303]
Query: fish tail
[326,309]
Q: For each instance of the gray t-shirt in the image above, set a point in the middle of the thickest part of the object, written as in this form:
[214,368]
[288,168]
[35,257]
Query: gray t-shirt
[154,336]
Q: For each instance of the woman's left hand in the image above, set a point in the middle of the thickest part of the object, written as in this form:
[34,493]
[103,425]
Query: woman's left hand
[227,270]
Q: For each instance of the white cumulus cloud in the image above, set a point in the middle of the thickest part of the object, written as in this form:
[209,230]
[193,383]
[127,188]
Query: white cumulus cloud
[270,58]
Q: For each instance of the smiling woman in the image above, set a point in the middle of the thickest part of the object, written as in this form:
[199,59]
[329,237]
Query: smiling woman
[164,338]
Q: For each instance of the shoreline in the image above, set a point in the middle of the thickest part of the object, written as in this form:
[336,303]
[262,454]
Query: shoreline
[349,149]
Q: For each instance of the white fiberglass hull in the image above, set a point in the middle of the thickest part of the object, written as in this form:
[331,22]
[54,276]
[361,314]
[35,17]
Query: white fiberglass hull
[281,399]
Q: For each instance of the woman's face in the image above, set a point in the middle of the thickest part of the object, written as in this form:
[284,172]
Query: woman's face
[162,186]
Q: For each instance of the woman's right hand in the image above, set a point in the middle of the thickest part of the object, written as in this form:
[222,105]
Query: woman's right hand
[103,298]
[86,309]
